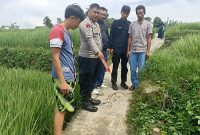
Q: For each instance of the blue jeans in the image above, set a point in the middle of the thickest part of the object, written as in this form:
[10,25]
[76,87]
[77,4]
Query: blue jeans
[136,60]
[101,72]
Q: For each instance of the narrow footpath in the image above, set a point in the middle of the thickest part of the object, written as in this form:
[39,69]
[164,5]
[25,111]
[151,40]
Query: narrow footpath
[110,119]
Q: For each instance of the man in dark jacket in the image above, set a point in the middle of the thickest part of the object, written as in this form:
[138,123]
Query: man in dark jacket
[105,41]
[119,43]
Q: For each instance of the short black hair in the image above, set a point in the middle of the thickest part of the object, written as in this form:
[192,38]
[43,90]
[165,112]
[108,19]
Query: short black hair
[74,10]
[94,5]
[103,8]
[126,9]
[140,7]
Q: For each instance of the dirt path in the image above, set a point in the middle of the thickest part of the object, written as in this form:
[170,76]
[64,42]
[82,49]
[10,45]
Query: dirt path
[111,116]
[156,43]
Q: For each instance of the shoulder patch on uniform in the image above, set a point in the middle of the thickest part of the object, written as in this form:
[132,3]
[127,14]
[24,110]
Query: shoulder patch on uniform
[88,25]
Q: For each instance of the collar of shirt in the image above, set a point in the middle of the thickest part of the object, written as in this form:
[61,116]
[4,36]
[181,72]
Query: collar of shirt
[100,22]
[94,23]
[123,20]
[140,23]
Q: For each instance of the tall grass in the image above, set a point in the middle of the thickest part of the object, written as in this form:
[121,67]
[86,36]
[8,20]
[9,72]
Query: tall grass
[180,31]
[188,47]
[76,40]
[183,26]
[31,38]
[24,38]
[26,97]
[187,26]
[175,108]
[182,58]
[26,102]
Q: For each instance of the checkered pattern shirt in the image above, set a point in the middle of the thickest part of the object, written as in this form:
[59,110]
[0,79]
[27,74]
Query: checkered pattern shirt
[139,34]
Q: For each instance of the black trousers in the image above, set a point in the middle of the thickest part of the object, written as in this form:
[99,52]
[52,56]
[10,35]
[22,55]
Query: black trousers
[116,59]
[88,70]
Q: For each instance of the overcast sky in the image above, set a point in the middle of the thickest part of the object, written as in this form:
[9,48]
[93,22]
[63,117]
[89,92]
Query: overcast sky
[30,13]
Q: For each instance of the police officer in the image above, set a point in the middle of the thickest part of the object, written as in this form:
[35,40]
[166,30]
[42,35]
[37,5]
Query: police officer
[89,56]
[119,43]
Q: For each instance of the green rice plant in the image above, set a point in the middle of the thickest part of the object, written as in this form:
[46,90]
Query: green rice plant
[25,38]
[29,49]
[181,30]
[26,58]
[32,38]
[26,102]
[27,98]
[173,35]
[187,26]
[189,48]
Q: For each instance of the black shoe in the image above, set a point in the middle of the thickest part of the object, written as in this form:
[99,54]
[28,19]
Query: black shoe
[132,88]
[89,107]
[95,102]
[124,85]
[114,86]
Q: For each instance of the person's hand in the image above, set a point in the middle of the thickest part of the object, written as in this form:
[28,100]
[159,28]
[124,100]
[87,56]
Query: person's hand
[108,50]
[64,87]
[147,55]
[111,51]
[128,54]
[100,55]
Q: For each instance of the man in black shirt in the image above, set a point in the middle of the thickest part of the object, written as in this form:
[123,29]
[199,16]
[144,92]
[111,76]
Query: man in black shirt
[118,45]
[105,41]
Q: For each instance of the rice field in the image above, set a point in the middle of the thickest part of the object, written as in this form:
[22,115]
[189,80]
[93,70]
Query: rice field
[31,38]
[26,102]
[27,98]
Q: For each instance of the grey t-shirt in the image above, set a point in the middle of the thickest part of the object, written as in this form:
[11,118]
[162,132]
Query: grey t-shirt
[139,34]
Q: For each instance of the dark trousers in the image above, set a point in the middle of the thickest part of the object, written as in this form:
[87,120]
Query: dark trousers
[88,69]
[116,59]
[101,72]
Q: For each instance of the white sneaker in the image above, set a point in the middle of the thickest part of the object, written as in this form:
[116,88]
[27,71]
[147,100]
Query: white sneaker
[103,86]
[95,92]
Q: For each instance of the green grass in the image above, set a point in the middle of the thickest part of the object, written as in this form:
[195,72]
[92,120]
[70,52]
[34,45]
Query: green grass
[27,98]
[187,26]
[31,38]
[26,58]
[180,31]
[26,102]
[188,47]
[24,38]
[76,40]
[34,41]
[175,108]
